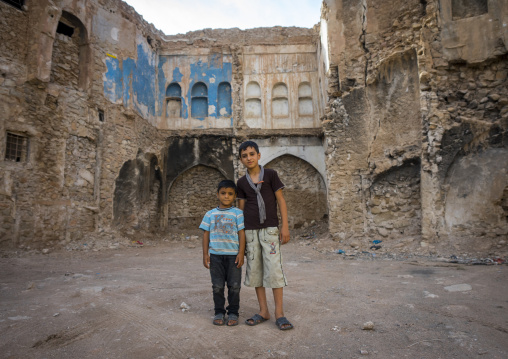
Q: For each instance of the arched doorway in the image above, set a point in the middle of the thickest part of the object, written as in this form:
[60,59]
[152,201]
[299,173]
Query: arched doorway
[305,191]
[191,195]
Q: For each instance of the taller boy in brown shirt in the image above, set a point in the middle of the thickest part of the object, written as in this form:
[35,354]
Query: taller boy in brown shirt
[259,193]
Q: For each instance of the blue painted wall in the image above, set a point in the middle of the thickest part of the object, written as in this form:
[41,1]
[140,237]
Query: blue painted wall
[199,101]
[142,83]
[224,99]
[133,82]
[204,71]
[211,72]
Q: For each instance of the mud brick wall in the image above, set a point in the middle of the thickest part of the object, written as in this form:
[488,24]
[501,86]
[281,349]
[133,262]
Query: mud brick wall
[192,194]
[305,191]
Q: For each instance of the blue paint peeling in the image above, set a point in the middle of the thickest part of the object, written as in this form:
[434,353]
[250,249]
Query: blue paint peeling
[141,84]
[143,81]
[129,79]
[162,84]
[177,75]
[199,101]
[113,81]
[128,67]
[224,99]
[174,90]
[203,72]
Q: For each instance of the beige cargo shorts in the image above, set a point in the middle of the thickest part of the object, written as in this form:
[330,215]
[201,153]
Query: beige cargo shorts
[264,259]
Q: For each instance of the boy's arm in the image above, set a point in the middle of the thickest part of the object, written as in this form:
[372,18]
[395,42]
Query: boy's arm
[284,230]
[206,242]
[241,249]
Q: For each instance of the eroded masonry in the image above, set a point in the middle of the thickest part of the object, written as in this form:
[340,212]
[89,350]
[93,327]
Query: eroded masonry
[387,120]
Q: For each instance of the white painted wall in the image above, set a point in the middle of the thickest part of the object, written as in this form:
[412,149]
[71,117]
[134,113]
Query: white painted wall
[309,149]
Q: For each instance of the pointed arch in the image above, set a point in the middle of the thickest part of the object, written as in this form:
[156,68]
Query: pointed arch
[305,190]
[191,195]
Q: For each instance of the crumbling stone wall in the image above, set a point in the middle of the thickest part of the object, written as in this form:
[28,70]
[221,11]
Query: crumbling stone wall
[138,194]
[394,204]
[65,188]
[418,79]
[305,191]
[65,59]
[191,195]
[415,94]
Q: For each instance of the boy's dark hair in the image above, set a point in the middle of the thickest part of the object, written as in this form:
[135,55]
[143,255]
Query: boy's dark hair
[226,184]
[246,145]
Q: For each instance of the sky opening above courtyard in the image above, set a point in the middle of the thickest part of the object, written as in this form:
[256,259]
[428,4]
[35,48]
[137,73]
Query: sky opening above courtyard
[181,16]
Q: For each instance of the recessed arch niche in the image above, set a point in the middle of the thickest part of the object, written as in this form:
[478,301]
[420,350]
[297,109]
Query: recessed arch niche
[305,191]
[191,195]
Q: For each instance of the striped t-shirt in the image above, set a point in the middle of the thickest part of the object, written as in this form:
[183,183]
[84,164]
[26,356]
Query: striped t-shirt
[223,225]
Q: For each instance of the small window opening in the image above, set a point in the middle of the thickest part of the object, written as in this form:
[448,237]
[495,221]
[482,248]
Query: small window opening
[16,3]
[65,29]
[17,148]
[462,9]
[101,115]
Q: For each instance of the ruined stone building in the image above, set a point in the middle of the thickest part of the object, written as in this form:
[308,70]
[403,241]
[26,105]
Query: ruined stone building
[387,119]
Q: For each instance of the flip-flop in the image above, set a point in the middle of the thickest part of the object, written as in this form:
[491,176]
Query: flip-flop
[256,319]
[234,318]
[283,321]
[219,317]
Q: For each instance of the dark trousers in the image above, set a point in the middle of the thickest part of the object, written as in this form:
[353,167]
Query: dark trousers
[223,269]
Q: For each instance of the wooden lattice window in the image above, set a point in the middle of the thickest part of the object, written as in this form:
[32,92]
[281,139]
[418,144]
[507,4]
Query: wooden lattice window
[16,148]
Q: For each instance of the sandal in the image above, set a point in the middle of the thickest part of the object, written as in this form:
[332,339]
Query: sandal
[256,319]
[283,323]
[232,320]
[219,319]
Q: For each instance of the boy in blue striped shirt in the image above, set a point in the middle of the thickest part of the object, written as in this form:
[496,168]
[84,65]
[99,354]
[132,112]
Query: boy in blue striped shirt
[223,252]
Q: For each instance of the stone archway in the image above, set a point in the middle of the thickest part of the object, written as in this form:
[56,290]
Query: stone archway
[191,195]
[305,190]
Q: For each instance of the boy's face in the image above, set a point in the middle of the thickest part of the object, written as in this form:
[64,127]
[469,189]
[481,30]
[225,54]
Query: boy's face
[249,157]
[226,197]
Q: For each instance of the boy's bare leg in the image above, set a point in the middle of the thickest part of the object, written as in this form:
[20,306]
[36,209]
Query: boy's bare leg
[277,297]
[279,310]
[263,306]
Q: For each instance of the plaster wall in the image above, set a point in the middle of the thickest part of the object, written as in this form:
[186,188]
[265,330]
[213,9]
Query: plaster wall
[292,66]
[309,149]
[211,69]
[476,186]
[476,37]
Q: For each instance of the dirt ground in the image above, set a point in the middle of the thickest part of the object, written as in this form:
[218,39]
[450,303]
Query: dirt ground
[154,300]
